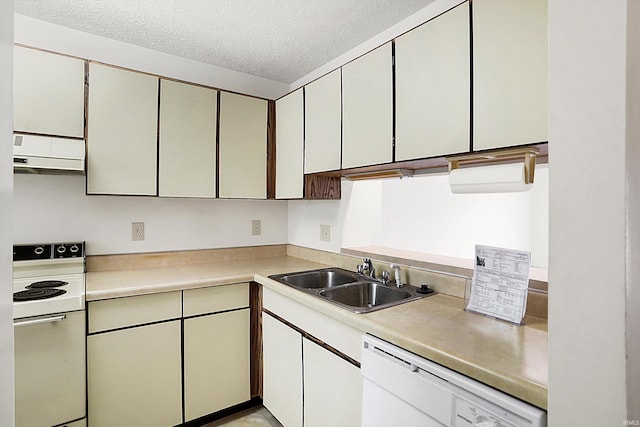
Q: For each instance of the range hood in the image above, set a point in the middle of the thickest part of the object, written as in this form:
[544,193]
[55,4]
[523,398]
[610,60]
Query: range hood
[48,155]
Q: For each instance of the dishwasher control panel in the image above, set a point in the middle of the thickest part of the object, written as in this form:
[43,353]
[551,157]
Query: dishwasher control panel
[467,414]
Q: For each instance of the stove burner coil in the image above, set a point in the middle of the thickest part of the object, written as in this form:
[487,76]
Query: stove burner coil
[36,294]
[47,284]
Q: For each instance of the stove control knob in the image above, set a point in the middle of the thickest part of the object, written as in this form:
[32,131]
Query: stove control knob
[39,250]
[61,249]
[74,249]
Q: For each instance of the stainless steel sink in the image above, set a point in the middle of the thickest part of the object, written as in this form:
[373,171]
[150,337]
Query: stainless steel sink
[317,279]
[349,290]
[367,296]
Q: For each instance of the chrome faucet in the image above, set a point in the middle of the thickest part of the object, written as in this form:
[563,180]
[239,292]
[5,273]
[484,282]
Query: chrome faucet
[396,273]
[367,265]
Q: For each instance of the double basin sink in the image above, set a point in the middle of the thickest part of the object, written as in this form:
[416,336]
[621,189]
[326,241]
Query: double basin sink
[349,290]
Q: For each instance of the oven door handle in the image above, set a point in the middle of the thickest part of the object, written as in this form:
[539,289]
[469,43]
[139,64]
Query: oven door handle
[40,320]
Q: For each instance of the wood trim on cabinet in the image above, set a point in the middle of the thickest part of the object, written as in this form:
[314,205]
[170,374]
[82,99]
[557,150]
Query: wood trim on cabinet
[271,150]
[314,339]
[322,186]
[217,189]
[255,333]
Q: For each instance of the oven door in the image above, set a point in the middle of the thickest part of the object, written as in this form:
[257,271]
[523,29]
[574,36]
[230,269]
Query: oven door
[50,369]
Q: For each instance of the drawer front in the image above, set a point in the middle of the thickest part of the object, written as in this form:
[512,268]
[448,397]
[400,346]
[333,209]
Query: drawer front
[214,299]
[130,311]
[331,331]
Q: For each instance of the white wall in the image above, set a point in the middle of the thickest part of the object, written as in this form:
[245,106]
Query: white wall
[44,35]
[587,245]
[6,177]
[55,208]
[421,214]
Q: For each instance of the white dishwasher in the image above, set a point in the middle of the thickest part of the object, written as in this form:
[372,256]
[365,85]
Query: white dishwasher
[403,389]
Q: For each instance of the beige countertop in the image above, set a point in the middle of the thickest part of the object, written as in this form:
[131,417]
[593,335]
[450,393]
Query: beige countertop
[510,358]
[149,280]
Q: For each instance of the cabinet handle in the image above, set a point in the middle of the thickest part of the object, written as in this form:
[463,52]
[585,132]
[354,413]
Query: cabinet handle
[40,320]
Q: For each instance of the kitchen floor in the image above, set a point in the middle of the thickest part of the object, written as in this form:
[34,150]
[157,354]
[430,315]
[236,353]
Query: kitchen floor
[258,416]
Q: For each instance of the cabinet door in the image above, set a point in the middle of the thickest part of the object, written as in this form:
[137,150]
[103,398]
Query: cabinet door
[323,123]
[433,90]
[509,72]
[289,146]
[367,115]
[134,376]
[121,132]
[216,362]
[243,147]
[332,389]
[282,371]
[187,157]
[48,93]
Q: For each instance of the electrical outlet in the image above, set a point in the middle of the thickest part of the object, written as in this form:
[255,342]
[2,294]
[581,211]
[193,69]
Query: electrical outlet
[137,231]
[256,227]
[325,233]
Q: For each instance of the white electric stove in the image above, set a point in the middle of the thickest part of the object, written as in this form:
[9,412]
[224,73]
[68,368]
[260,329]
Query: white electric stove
[49,334]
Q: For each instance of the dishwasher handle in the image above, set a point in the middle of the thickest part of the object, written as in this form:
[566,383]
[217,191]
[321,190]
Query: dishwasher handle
[39,320]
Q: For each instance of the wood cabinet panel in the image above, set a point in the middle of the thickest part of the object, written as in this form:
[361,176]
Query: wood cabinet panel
[433,90]
[243,147]
[290,146]
[367,114]
[121,132]
[509,73]
[48,93]
[187,139]
[323,123]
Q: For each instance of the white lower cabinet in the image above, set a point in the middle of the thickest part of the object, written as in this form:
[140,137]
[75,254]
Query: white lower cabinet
[305,383]
[282,371]
[144,351]
[216,362]
[134,376]
[332,389]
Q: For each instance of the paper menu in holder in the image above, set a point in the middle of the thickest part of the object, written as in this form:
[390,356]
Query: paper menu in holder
[500,283]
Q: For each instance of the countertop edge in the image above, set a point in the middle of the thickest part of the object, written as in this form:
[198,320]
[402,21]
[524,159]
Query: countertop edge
[129,291]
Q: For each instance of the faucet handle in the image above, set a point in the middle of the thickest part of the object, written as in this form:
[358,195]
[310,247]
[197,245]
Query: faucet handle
[385,275]
[360,268]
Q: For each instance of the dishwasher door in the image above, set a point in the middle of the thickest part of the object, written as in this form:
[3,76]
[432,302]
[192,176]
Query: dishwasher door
[401,388]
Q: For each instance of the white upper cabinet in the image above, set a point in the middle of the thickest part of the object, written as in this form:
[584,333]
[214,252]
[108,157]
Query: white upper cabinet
[433,87]
[187,157]
[323,123]
[121,132]
[48,93]
[509,72]
[367,115]
[243,147]
[290,146]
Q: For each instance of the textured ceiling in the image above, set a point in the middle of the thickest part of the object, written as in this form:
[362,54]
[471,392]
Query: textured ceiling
[282,40]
